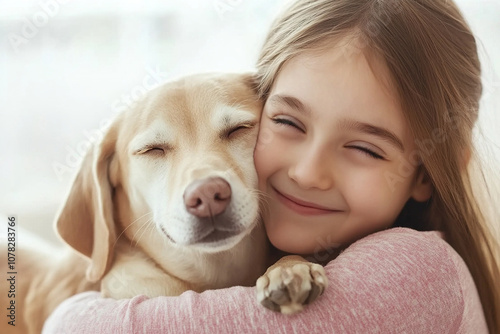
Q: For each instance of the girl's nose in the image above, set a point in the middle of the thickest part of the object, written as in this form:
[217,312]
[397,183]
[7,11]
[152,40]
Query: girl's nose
[312,170]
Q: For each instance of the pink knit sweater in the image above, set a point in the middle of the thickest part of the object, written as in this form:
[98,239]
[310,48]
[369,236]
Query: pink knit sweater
[395,281]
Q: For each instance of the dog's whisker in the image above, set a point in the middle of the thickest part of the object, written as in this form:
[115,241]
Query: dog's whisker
[146,224]
[258,192]
[137,232]
[149,227]
[262,197]
[133,223]
[130,225]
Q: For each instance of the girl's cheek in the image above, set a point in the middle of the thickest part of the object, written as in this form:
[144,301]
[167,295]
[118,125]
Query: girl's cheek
[364,189]
[264,139]
[261,152]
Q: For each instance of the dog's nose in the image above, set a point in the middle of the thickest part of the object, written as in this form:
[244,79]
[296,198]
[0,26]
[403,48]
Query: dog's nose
[207,197]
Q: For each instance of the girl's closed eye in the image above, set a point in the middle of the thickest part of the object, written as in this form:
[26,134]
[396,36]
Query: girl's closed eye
[367,151]
[286,122]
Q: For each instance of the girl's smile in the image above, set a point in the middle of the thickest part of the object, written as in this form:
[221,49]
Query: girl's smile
[302,207]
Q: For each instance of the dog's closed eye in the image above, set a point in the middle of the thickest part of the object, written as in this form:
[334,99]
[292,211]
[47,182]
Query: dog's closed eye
[233,131]
[152,149]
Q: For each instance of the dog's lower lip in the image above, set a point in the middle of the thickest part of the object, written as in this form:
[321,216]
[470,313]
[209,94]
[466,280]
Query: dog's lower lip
[213,237]
[216,236]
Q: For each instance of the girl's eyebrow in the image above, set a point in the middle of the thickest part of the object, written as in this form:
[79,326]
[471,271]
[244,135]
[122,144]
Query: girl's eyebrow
[351,124]
[289,101]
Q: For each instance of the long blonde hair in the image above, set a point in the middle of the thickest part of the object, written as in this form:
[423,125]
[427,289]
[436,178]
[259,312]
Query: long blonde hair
[432,57]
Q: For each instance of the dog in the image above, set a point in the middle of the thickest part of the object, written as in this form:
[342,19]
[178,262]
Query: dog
[165,203]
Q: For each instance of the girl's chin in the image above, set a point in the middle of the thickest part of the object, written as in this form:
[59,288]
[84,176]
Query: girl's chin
[288,242]
[287,237]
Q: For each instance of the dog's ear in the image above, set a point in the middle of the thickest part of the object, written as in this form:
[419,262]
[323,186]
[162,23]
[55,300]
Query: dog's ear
[86,222]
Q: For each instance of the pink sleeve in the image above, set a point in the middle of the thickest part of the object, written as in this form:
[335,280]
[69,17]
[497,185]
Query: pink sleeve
[393,281]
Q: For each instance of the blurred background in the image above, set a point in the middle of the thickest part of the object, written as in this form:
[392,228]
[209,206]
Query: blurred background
[67,67]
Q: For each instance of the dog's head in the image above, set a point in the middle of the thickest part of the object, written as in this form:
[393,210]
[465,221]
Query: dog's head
[174,171]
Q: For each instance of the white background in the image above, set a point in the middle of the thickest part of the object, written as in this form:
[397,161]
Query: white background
[68,66]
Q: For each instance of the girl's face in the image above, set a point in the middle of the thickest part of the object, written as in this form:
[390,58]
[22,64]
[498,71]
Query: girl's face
[335,156]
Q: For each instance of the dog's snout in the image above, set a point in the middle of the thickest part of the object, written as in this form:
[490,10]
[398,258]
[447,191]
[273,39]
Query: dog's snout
[207,197]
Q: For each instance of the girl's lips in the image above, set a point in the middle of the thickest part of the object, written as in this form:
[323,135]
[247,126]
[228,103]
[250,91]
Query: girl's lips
[302,207]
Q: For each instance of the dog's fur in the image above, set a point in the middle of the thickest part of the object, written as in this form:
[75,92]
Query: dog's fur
[125,217]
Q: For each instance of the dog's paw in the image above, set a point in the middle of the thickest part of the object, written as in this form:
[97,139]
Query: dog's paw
[287,288]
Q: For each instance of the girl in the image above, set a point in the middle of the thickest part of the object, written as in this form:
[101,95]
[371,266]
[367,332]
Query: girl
[365,140]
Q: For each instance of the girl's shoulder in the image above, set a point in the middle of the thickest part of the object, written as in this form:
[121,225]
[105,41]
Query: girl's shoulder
[414,257]
[418,272]
[401,249]
[403,239]
[405,245]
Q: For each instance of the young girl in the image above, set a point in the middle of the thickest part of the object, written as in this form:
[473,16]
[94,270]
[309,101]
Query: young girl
[367,128]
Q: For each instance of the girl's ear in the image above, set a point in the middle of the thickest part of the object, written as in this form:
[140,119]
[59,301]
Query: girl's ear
[422,190]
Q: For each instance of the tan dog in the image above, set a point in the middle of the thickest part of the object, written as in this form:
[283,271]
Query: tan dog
[165,203]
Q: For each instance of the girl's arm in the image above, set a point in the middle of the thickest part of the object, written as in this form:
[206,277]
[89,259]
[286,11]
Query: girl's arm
[393,281]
